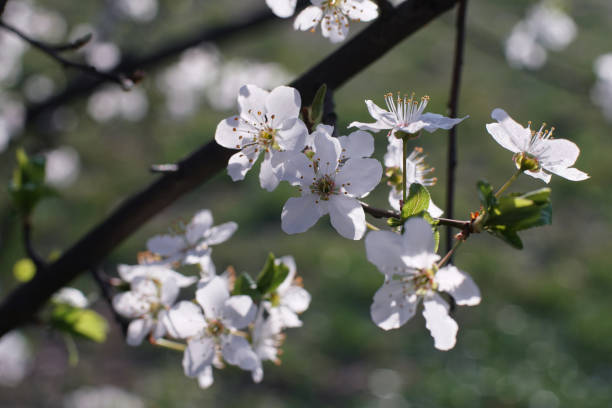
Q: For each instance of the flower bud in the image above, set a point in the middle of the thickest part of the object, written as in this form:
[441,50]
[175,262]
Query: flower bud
[526,162]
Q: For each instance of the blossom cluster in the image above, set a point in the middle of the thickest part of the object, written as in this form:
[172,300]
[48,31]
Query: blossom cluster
[228,322]
[332,174]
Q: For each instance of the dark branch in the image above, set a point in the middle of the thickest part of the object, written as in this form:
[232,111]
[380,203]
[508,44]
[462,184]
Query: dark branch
[27,243]
[380,213]
[453,104]
[105,292]
[329,116]
[125,81]
[205,162]
[164,168]
[2,5]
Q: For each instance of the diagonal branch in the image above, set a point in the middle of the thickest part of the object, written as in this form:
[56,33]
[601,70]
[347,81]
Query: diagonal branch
[201,165]
[453,108]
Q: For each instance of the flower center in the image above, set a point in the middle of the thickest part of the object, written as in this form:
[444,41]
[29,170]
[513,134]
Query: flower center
[215,327]
[267,138]
[526,162]
[424,282]
[406,109]
[324,186]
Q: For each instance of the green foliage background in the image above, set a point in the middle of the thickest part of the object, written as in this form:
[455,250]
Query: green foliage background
[544,324]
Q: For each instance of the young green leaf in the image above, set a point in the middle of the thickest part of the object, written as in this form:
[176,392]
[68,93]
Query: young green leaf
[417,201]
[316,110]
[245,285]
[84,323]
[266,276]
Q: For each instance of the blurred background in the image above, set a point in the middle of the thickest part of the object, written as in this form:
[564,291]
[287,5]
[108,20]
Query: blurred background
[542,336]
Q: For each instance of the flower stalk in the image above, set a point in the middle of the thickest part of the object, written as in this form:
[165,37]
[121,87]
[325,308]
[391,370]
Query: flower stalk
[508,183]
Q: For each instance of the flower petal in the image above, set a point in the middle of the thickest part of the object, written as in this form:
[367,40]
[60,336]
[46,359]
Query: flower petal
[220,233]
[383,118]
[268,175]
[384,249]
[292,135]
[557,153]
[289,262]
[392,307]
[251,99]
[434,210]
[212,296]
[359,176]
[308,18]
[240,163]
[435,121]
[130,305]
[229,131]
[540,174]
[418,244]
[197,227]
[137,331]
[282,8]
[238,311]
[327,150]
[569,173]
[166,245]
[459,285]
[283,103]
[205,378]
[347,216]
[441,326]
[169,291]
[237,351]
[365,10]
[184,320]
[299,214]
[508,133]
[357,144]
[198,355]
[335,27]
[296,299]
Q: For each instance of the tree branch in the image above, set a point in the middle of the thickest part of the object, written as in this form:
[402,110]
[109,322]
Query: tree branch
[27,243]
[380,213]
[201,165]
[123,80]
[453,111]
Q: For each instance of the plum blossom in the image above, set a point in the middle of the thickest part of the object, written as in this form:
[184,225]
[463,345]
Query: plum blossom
[408,262]
[153,290]
[416,172]
[268,122]
[191,243]
[601,93]
[16,358]
[70,296]
[211,327]
[536,152]
[267,338]
[327,187]
[405,115]
[282,8]
[290,298]
[334,16]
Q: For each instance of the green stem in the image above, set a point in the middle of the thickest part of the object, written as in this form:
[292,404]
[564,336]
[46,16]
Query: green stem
[405,157]
[508,183]
[172,345]
[372,227]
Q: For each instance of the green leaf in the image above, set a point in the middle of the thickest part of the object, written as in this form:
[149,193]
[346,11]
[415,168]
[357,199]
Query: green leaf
[280,274]
[416,202]
[485,194]
[266,276]
[24,270]
[522,211]
[84,323]
[508,236]
[316,110]
[245,285]
[27,186]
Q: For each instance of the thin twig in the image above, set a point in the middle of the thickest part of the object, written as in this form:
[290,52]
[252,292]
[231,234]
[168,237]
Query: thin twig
[453,108]
[366,47]
[105,290]
[27,243]
[380,213]
[125,81]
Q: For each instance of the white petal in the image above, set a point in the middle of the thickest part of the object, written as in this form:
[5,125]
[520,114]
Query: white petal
[296,299]
[359,176]
[569,173]
[327,150]
[392,307]
[205,378]
[308,18]
[220,233]
[197,227]
[198,355]
[251,98]
[238,311]
[237,351]
[433,210]
[508,133]
[441,326]
[284,315]
[268,176]
[228,132]
[239,165]
[212,296]
[159,328]
[168,292]
[292,135]
[540,174]
[459,285]
[166,245]
[418,244]
[184,320]
[257,374]
[282,8]
[357,144]
[130,305]
[394,198]
[162,273]
[289,262]
[384,249]
[335,27]
[283,103]
[138,330]
[298,170]
[557,152]
[347,216]
[435,121]
[365,10]
[299,214]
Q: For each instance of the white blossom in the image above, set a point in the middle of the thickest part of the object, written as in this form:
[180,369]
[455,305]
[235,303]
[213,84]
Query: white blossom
[290,298]
[62,166]
[267,338]
[601,93]
[549,155]
[153,290]
[16,358]
[191,243]
[106,396]
[408,262]
[268,122]
[71,296]
[334,16]
[211,327]
[327,187]
[405,115]
[282,8]
[416,172]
